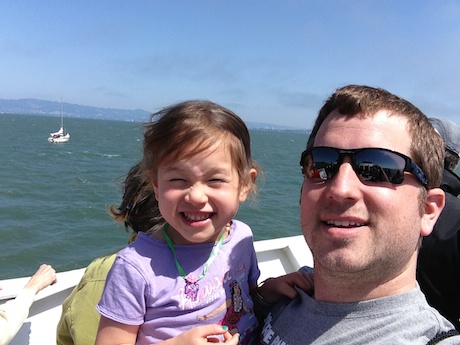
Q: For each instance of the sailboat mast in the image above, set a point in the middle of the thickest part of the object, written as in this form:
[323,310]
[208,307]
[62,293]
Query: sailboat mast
[62,118]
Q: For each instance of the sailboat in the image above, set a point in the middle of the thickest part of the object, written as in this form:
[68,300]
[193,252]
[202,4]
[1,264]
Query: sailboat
[60,136]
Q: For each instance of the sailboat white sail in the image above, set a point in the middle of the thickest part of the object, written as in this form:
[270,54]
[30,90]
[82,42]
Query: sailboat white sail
[60,136]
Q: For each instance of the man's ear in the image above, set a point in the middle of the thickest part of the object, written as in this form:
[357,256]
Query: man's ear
[434,204]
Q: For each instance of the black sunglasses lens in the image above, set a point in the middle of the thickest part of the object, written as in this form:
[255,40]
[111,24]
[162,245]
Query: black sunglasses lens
[321,162]
[372,165]
[377,165]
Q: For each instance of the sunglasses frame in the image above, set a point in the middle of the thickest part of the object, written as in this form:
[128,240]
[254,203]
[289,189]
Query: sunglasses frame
[410,166]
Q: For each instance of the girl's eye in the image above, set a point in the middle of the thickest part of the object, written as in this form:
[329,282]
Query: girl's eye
[177,180]
[216,181]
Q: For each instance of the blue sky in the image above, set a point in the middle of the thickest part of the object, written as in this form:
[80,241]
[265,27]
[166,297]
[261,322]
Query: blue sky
[269,61]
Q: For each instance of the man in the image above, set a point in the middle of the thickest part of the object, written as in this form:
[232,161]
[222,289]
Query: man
[438,270]
[372,171]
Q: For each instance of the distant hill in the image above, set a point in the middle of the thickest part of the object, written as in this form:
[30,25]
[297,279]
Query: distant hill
[32,106]
[42,107]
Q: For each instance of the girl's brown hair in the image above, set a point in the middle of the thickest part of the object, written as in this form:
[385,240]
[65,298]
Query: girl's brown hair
[185,129]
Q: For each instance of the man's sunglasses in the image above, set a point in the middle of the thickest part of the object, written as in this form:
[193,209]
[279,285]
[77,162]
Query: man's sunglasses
[370,164]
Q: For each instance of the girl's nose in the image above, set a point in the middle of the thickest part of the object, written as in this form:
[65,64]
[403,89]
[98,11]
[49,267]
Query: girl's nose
[197,194]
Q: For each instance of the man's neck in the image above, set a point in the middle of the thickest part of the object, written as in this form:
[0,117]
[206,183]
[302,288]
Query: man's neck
[348,288]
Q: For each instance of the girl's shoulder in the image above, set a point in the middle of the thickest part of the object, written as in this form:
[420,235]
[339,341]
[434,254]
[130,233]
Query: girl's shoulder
[240,230]
[238,224]
[144,246]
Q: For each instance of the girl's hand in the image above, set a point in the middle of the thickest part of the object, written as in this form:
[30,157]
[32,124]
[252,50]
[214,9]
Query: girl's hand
[204,334]
[273,289]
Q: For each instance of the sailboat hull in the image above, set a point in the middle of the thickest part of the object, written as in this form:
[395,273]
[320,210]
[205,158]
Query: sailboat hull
[59,137]
[59,140]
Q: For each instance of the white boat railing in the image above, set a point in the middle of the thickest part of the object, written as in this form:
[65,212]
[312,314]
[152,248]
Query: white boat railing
[276,257]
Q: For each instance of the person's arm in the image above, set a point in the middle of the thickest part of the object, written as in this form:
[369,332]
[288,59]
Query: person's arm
[14,312]
[111,332]
[12,315]
[273,289]
[203,335]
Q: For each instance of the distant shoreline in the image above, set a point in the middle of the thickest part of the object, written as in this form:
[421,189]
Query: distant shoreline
[126,118]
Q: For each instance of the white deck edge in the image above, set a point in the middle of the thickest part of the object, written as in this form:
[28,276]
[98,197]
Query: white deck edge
[275,256]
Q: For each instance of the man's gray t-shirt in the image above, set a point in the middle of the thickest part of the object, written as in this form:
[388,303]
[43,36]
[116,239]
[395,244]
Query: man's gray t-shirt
[401,319]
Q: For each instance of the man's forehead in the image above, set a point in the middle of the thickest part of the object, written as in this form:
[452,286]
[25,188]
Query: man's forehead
[381,129]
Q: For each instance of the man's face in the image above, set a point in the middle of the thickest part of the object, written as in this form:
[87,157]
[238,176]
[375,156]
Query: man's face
[353,226]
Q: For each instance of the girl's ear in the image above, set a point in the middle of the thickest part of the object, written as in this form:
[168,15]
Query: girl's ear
[434,204]
[154,183]
[248,185]
[155,190]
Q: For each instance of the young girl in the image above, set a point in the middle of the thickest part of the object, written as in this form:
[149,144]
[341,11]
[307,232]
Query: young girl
[197,156]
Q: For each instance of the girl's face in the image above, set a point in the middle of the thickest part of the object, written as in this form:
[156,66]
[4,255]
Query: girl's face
[198,196]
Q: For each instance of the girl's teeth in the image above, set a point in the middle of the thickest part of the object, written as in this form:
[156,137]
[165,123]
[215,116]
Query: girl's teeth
[196,217]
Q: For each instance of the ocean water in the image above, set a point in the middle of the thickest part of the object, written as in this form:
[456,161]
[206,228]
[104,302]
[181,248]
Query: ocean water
[54,197]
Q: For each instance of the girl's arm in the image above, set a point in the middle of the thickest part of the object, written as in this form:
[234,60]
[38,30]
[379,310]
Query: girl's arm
[114,333]
[203,335]
[111,332]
